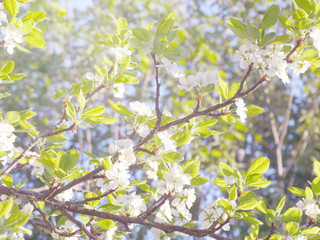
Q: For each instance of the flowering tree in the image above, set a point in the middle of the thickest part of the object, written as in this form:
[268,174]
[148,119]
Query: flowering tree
[145,180]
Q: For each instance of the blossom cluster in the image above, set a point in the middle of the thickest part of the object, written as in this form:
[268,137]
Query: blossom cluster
[118,174]
[270,61]
[187,83]
[7,138]
[309,206]
[12,34]
[215,214]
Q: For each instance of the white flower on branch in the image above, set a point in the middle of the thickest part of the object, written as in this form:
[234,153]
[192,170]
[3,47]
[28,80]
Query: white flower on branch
[133,204]
[310,207]
[230,180]
[94,77]
[213,213]
[175,180]
[120,52]
[159,234]
[241,109]
[152,170]
[12,35]
[140,108]
[299,67]
[66,195]
[18,235]
[142,130]
[315,35]
[28,208]
[164,214]
[173,68]
[169,144]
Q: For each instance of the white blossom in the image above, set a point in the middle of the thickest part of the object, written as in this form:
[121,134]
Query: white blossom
[230,180]
[18,235]
[118,90]
[66,195]
[119,52]
[213,212]
[241,109]
[310,207]
[111,232]
[28,208]
[164,214]
[169,144]
[174,180]
[140,108]
[187,83]
[173,68]
[159,234]
[142,130]
[299,67]
[133,204]
[38,168]
[315,35]
[94,77]
[7,139]
[12,35]
[153,168]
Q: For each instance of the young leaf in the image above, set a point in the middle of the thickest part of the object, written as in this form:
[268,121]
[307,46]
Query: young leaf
[254,110]
[118,107]
[142,34]
[260,165]
[270,18]
[292,215]
[12,7]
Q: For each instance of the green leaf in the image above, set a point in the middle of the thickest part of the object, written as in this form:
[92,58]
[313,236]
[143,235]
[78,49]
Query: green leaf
[311,231]
[166,24]
[92,195]
[35,16]
[237,27]
[141,33]
[248,205]
[208,123]
[224,169]
[81,100]
[199,180]
[124,78]
[173,157]
[5,208]
[224,204]
[8,181]
[304,5]
[270,18]
[107,163]
[71,111]
[292,215]
[106,224]
[308,193]
[69,160]
[316,186]
[268,39]
[260,165]
[7,68]
[253,32]
[12,117]
[281,39]
[292,227]
[192,167]
[297,191]
[22,48]
[299,14]
[35,41]
[11,6]
[119,108]
[233,89]
[27,26]
[281,205]
[309,54]
[316,168]
[228,119]
[286,22]
[94,111]
[233,193]
[16,220]
[101,119]
[182,138]
[254,110]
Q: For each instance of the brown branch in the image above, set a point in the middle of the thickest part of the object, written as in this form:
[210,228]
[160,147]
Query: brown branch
[272,229]
[79,224]
[84,201]
[154,206]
